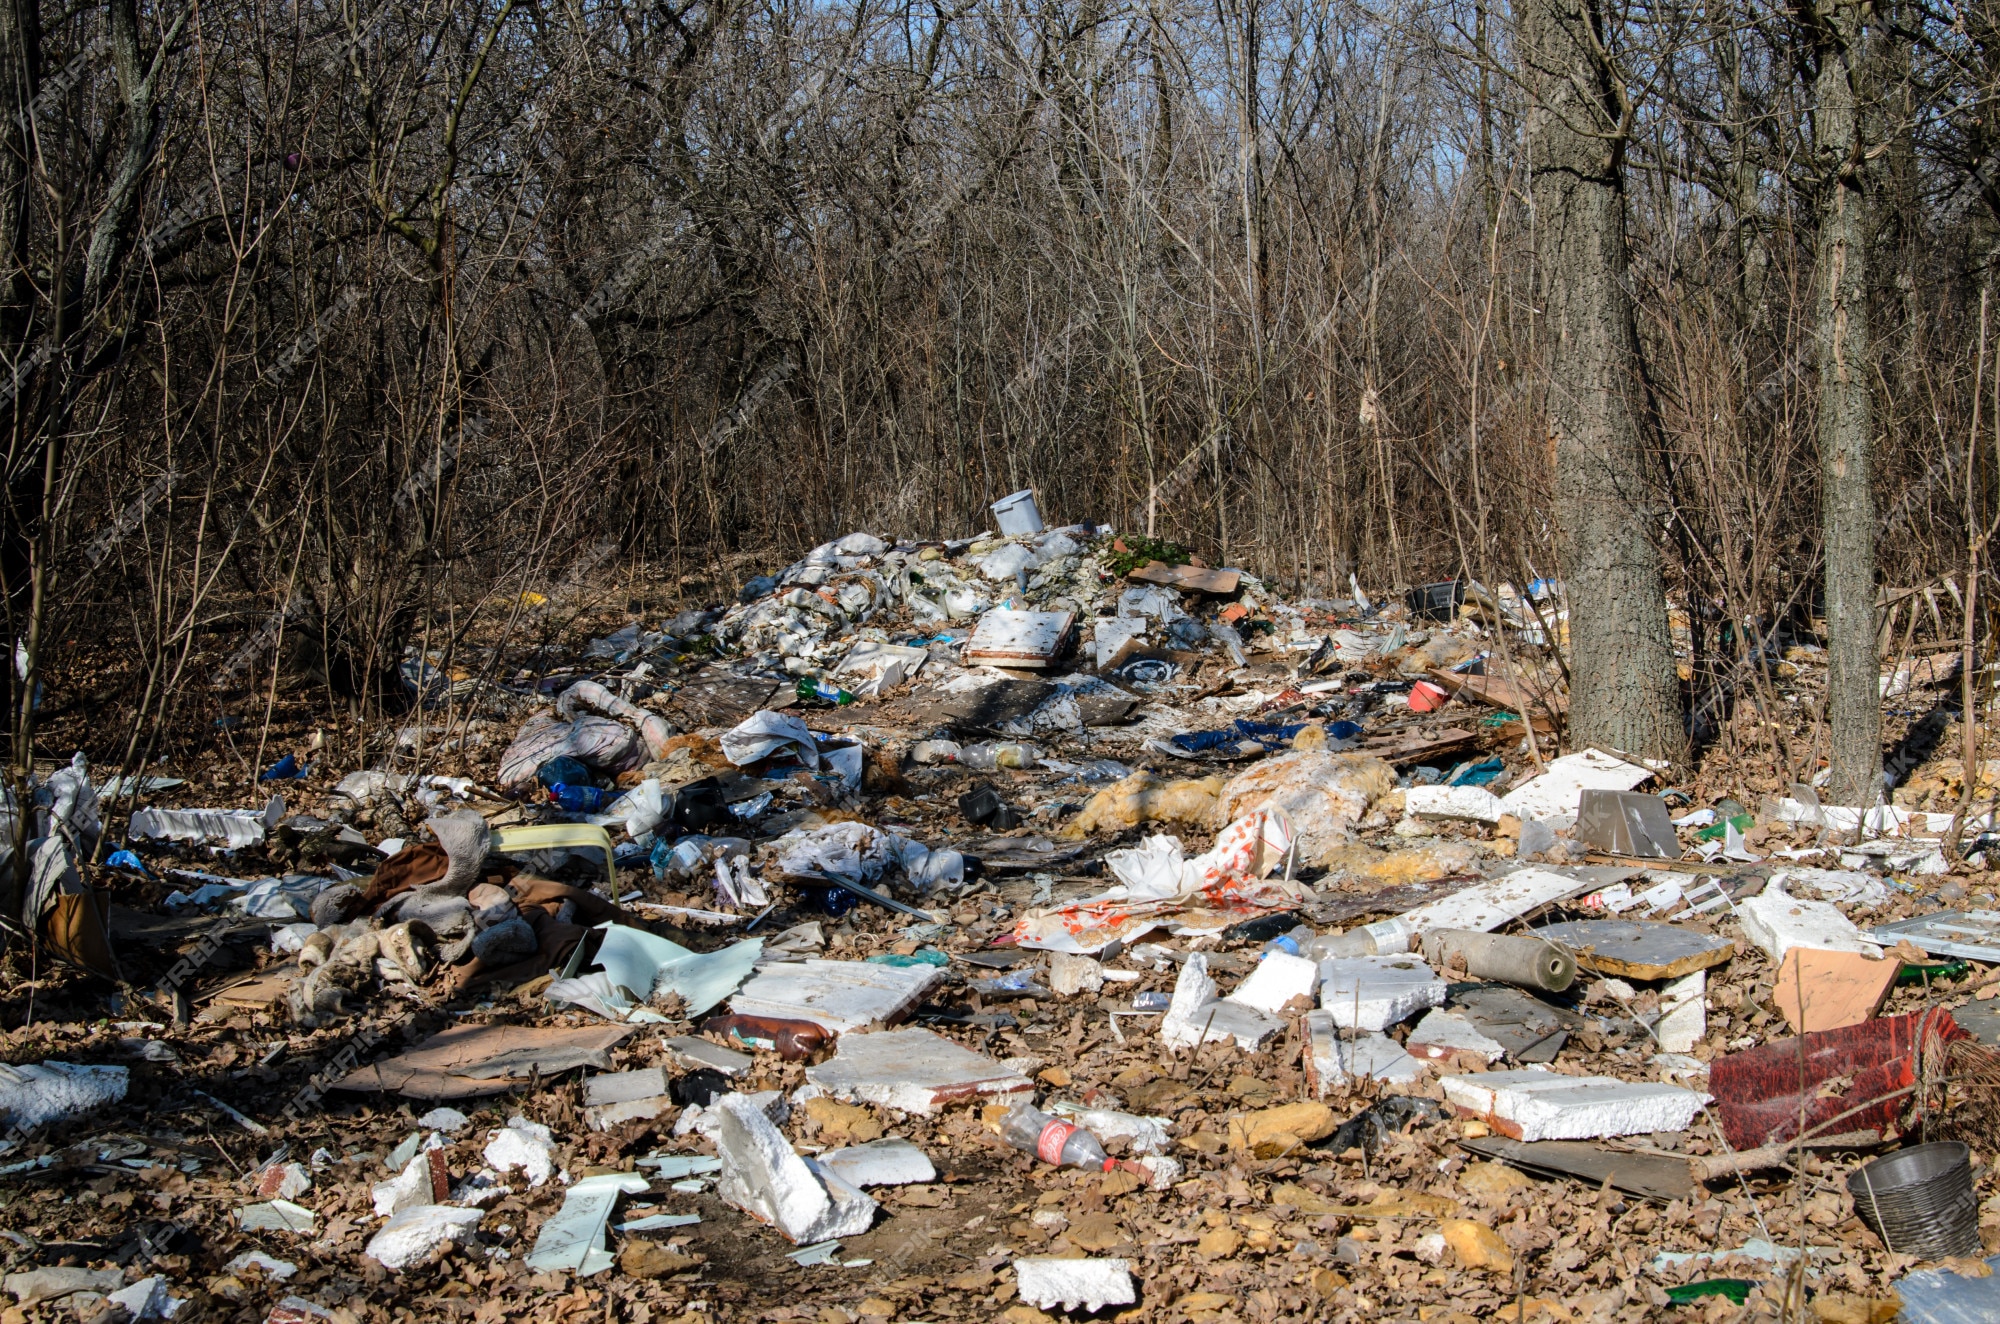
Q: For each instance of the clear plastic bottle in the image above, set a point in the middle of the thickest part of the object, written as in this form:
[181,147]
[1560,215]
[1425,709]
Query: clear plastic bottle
[1052,1140]
[988,757]
[1292,943]
[1389,937]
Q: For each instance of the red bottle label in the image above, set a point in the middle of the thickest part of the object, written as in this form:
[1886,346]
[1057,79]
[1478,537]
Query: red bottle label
[1049,1145]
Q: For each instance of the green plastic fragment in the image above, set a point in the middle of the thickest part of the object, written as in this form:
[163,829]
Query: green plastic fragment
[1917,974]
[1742,823]
[1736,1289]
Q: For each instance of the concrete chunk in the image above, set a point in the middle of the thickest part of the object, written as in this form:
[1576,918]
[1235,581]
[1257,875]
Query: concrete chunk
[1048,1283]
[915,1071]
[765,1179]
[1541,1105]
[1375,992]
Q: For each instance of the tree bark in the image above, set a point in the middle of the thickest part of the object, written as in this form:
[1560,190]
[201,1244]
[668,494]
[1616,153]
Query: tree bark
[1624,693]
[1846,407]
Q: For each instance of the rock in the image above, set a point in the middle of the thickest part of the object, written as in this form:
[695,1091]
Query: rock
[1285,1129]
[1218,1243]
[1493,1181]
[1477,1245]
[650,1259]
[843,1123]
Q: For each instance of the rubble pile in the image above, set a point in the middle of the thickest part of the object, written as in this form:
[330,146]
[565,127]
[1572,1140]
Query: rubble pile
[1022,927]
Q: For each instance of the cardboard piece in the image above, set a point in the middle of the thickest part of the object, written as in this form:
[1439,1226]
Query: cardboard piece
[1655,1176]
[1818,990]
[1638,949]
[1193,578]
[468,1061]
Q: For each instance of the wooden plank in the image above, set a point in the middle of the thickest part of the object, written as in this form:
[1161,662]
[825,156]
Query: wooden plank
[1638,949]
[1197,579]
[1502,692]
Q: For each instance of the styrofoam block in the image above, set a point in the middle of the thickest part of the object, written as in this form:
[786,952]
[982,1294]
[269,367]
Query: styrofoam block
[1196,1015]
[1777,923]
[411,1236]
[1559,789]
[1684,1013]
[836,995]
[448,1120]
[1442,1034]
[407,1189]
[1375,992]
[1541,1105]
[1471,803]
[891,1162]
[608,1115]
[764,1178]
[915,1071]
[1047,1283]
[1332,1061]
[1277,979]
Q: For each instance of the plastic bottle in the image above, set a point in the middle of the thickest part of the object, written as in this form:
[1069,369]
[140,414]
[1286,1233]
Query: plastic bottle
[810,689]
[988,757]
[581,799]
[1292,943]
[935,751]
[1389,937]
[1052,1140]
[791,1039]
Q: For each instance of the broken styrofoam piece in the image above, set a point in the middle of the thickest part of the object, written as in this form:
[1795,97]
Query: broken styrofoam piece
[1071,974]
[764,1178]
[448,1120]
[1484,907]
[277,1216]
[1559,790]
[1778,922]
[1197,1015]
[672,1167]
[525,1145]
[1048,1283]
[1277,979]
[1375,992]
[1142,1135]
[412,1235]
[1683,1013]
[624,1086]
[1541,1105]
[1332,1061]
[146,1299]
[1446,1034]
[44,1092]
[416,1184]
[275,1269]
[836,995]
[574,1238]
[890,1162]
[1468,803]
[915,1071]
[632,1110]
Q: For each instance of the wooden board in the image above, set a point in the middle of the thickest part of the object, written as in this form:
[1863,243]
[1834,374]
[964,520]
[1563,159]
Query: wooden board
[1638,949]
[1655,1176]
[1196,579]
[1501,692]
[1402,748]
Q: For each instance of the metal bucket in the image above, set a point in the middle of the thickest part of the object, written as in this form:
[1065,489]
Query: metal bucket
[1920,1200]
[1017,514]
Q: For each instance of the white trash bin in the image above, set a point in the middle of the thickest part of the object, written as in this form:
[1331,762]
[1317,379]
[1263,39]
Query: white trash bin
[1017,514]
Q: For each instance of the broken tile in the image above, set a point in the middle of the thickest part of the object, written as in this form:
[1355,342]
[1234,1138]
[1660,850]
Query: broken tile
[1824,990]
[890,1162]
[1484,907]
[1541,1105]
[1777,923]
[573,1239]
[1638,949]
[695,1054]
[836,995]
[1445,1034]
[915,1071]
[1473,804]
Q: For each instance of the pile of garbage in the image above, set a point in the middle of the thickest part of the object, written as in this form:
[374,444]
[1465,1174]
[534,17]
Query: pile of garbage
[1022,926]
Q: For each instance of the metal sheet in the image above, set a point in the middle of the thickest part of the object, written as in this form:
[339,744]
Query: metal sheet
[1972,934]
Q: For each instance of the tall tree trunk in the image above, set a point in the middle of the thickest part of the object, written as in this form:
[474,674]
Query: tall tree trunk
[1846,407]
[1624,693]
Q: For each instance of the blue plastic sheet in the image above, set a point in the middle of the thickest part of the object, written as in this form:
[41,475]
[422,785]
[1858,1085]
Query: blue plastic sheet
[1265,733]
